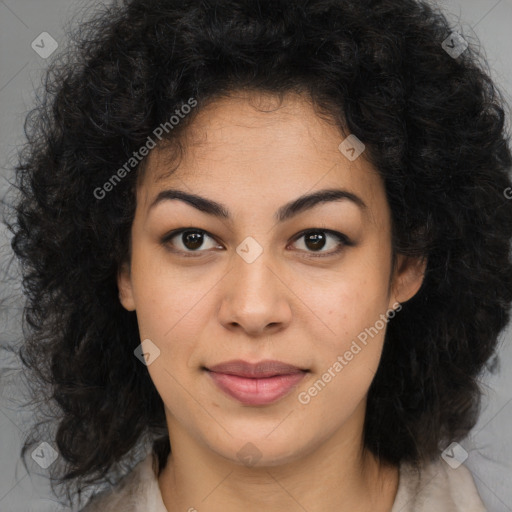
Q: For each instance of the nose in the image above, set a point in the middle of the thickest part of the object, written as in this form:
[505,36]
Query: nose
[255,297]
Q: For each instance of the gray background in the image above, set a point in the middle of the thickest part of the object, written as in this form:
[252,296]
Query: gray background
[21,21]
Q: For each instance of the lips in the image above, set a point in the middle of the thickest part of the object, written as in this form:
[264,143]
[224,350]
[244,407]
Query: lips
[259,383]
[259,370]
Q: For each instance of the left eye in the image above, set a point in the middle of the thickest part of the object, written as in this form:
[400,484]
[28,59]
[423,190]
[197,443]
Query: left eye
[316,239]
[192,240]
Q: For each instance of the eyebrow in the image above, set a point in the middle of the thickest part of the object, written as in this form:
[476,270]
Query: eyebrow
[289,210]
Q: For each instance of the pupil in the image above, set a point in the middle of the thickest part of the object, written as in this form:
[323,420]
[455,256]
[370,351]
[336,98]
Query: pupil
[315,240]
[192,239]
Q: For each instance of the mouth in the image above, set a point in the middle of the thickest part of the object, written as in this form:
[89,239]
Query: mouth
[259,383]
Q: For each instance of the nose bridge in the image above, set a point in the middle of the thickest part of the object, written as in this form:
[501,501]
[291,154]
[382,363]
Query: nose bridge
[255,297]
[253,276]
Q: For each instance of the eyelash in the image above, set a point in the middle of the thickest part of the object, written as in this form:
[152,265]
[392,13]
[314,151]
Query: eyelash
[342,239]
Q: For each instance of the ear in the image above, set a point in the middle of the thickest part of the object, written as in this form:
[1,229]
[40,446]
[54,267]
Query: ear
[124,284]
[408,277]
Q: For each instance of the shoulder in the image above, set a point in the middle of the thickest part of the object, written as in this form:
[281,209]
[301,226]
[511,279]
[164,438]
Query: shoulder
[436,487]
[136,492]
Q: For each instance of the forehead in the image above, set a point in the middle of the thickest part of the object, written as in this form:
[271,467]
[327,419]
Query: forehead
[252,141]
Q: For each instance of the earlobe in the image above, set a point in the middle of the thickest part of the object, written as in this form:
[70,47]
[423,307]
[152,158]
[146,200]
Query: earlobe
[124,284]
[409,275]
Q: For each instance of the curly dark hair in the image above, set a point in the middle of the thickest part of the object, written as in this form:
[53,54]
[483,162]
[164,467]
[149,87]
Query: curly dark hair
[433,126]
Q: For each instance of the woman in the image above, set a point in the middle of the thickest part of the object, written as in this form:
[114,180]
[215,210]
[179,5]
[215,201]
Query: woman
[270,240]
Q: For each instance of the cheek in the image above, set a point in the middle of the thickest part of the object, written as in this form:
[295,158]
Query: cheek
[168,298]
[172,308]
[352,305]
[345,361]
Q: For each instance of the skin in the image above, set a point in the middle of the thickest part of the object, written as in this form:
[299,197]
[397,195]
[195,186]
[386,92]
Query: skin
[287,305]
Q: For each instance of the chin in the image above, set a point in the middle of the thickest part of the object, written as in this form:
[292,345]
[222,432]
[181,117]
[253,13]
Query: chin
[255,451]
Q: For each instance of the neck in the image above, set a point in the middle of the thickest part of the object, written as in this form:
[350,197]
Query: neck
[337,475]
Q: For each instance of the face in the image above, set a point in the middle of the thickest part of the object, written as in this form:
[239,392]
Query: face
[309,286]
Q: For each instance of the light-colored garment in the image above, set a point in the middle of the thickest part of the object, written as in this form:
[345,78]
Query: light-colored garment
[438,488]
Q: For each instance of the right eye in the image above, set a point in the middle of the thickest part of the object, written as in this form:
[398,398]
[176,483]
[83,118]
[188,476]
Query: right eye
[187,241]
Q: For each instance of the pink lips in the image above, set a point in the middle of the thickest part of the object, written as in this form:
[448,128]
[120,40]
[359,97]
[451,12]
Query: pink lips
[256,384]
